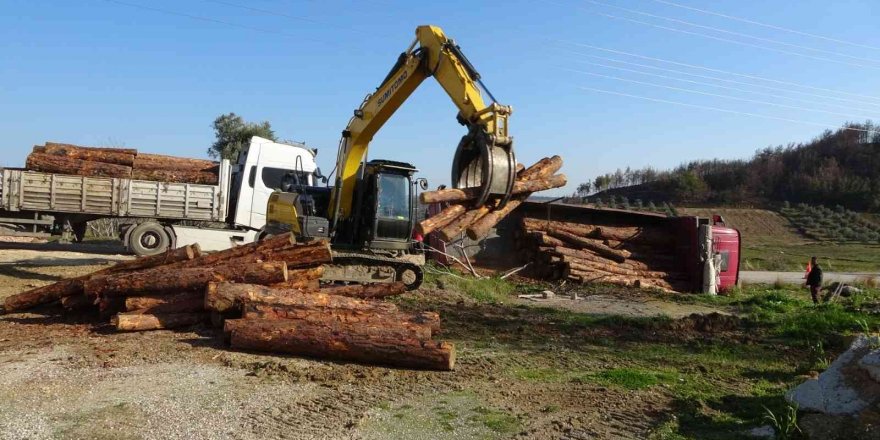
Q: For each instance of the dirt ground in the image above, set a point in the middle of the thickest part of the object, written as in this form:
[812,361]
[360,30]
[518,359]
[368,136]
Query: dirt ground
[72,377]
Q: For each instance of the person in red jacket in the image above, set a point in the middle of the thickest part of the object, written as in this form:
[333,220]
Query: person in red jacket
[814,279]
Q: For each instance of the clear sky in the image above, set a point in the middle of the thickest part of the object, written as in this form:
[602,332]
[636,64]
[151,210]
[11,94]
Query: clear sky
[100,72]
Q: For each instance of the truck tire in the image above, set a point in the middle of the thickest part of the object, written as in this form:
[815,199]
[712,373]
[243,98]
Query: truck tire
[148,238]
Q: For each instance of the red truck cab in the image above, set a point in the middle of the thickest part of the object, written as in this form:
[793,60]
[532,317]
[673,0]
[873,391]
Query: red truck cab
[728,244]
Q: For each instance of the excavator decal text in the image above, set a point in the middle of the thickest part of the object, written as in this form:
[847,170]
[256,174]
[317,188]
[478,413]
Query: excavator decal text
[392,89]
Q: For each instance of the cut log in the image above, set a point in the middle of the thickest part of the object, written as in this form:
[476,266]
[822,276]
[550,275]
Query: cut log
[189,305]
[389,348]
[541,170]
[417,327]
[544,168]
[549,225]
[49,163]
[222,297]
[467,194]
[133,303]
[440,220]
[305,279]
[177,176]
[75,286]
[594,245]
[375,290]
[170,256]
[542,239]
[454,229]
[590,256]
[257,248]
[298,284]
[650,236]
[481,227]
[44,294]
[299,255]
[163,280]
[92,154]
[117,150]
[161,162]
[132,322]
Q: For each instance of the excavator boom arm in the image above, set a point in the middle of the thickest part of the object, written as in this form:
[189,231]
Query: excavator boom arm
[485,156]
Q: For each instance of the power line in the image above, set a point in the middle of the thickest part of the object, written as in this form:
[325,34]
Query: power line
[709,69]
[737,89]
[769,26]
[705,107]
[295,17]
[728,40]
[729,32]
[264,30]
[714,95]
[732,81]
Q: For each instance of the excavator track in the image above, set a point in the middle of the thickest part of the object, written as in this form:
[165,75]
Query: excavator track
[358,267]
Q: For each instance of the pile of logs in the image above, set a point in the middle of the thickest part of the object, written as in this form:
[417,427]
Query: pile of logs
[120,162]
[462,216]
[269,295]
[584,253]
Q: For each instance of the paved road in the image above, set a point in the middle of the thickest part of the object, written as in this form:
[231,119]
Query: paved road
[766,277]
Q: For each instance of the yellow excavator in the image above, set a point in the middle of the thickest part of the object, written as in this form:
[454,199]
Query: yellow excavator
[369,212]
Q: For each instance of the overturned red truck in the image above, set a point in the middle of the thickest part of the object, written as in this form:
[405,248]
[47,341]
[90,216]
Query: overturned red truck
[559,241]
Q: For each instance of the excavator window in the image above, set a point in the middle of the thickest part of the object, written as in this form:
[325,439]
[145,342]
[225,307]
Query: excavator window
[394,197]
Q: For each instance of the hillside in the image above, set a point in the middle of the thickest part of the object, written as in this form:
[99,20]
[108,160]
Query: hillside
[836,168]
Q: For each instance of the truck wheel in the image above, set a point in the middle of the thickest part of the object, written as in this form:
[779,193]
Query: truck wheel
[148,239]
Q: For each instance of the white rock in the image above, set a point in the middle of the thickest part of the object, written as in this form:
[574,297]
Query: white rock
[830,393]
[871,363]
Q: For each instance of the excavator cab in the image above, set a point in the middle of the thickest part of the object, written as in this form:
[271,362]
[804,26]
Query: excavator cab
[386,216]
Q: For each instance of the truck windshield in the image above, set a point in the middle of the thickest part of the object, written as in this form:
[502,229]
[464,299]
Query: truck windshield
[393,197]
[282,179]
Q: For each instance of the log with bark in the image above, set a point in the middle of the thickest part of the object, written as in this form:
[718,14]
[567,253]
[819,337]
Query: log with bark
[454,229]
[223,297]
[416,326]
[440,220]
[468,194]
[549,225]
[541,170]
[106,155]
[388,345]
[306,279]
[75,286]
[152,162]
[177,176]
[129,322]
[50,163]
[173,280]
[650,236]
[375,290]
[593,245]
[78,302]
[256,249]
[133,303]
[117,150]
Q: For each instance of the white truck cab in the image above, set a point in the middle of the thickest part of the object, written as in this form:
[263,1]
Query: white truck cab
[262,167]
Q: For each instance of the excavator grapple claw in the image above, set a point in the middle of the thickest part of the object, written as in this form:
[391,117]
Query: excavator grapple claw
[482,162]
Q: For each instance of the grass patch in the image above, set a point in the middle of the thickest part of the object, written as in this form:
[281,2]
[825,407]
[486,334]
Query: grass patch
[630,378]
[497,421]
[485,290]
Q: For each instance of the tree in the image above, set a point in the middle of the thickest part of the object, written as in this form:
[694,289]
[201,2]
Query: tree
[233,133]
[583,189]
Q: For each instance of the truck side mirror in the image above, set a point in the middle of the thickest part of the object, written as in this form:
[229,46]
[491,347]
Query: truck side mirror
[423,183]
[320,175]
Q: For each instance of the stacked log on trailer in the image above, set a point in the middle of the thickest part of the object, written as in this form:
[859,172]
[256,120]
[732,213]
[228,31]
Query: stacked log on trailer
[270,295]
[462,216]
[120,162]
[586,253]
